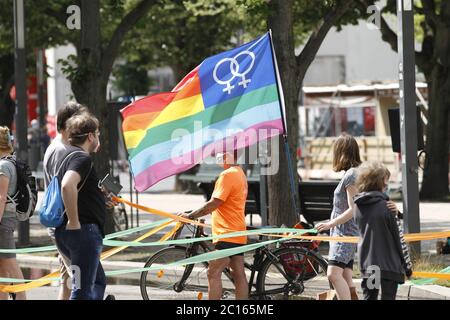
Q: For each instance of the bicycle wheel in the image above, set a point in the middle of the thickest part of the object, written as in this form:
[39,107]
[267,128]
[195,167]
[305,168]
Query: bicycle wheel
[155,284]
[292,273]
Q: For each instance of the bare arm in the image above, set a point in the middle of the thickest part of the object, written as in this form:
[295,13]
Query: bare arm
[207,208]
[4,183]
[70,198]
[345,216]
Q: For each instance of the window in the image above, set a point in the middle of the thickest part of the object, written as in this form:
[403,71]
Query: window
[331,122]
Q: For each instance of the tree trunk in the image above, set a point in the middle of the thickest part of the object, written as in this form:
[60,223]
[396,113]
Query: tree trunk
[95,99]
[7,105]
[95,63]
[92,93]
[7,108]
[178,71]
[280,194]
[292,70]
[89,86]
[436,174]
[90,83]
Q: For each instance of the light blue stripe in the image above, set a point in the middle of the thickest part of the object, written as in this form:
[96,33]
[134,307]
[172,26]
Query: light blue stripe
[166,150]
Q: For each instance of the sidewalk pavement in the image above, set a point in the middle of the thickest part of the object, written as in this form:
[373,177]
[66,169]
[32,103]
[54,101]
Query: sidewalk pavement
[127,292]
[126,287]
[121,292]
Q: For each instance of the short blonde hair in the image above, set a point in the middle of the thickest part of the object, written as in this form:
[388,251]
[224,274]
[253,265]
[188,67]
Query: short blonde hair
[345,153]
[371,176]
[5,140]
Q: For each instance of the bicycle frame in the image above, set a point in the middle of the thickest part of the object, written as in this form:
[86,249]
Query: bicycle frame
[259,258]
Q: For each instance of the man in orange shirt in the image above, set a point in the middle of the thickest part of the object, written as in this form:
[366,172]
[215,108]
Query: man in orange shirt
[227,205]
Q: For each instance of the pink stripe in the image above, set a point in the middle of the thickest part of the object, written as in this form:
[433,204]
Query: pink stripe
[169,167]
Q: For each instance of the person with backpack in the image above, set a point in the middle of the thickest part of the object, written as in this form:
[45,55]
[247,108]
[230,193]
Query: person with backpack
[8,216]
[81,232]
[384,259]
[55,153]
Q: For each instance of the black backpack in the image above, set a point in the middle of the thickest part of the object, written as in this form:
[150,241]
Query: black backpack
[25,197]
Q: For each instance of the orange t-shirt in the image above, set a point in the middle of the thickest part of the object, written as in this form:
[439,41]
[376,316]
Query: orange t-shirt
[231,188]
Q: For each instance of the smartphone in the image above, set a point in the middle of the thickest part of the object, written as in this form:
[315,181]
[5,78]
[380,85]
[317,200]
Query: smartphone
[111,185]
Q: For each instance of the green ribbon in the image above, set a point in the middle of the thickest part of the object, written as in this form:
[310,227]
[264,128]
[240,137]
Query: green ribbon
[137,229]
[204,257]
[29,250]
[208,256]
[117,243]
[109,236]
[213,255]
[14,280]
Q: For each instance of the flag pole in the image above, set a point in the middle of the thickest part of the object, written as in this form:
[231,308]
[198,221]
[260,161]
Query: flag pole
[279,86]
[285,140]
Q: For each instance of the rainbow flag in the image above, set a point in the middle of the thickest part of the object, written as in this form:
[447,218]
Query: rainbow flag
[230,99]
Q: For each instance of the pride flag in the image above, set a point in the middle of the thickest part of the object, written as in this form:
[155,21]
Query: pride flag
[230,99]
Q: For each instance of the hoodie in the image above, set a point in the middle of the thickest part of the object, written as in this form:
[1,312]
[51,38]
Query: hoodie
[380,243]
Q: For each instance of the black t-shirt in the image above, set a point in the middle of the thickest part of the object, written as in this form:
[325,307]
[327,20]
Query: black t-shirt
[91,200]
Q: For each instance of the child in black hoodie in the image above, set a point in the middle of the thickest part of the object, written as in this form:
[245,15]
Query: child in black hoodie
[381,246]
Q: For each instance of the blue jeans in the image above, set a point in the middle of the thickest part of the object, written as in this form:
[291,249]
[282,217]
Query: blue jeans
[83,247]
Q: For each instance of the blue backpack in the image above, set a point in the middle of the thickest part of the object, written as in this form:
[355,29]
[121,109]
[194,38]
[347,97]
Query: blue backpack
[51,211]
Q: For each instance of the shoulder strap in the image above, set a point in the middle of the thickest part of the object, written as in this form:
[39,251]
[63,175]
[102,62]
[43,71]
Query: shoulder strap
[87,175]
[64,160]
[9,159]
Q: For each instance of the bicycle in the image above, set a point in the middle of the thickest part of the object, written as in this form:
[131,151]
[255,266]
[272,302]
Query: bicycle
[283,272]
